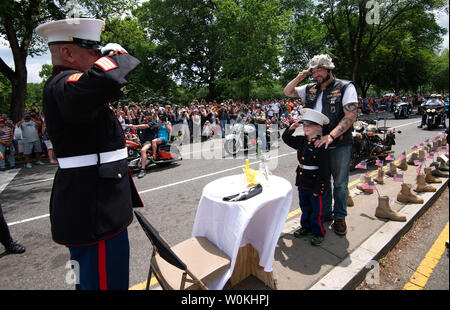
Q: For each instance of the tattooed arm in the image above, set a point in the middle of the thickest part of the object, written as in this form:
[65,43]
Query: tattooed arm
[350,113]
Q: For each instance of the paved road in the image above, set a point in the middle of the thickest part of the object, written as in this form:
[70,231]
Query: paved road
[170,196]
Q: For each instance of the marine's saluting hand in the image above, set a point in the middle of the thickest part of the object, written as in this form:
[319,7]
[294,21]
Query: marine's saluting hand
[112,48]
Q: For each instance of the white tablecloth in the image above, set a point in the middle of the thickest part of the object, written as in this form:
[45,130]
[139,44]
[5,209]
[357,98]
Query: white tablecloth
[231,225]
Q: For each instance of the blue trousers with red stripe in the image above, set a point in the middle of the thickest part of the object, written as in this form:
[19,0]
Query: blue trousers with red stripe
[104,265]
[312,213]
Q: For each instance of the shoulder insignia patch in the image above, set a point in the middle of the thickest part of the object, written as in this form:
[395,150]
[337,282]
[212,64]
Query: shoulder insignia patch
[106,64]
[74,77]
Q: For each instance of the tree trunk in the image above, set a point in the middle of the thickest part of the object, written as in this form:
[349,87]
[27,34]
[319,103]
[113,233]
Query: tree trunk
[19,92]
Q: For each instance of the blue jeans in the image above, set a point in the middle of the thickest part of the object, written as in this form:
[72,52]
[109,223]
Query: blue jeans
[339,162]
[12,161]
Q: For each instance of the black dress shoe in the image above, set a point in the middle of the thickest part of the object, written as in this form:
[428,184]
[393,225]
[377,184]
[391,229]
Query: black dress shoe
[15,248]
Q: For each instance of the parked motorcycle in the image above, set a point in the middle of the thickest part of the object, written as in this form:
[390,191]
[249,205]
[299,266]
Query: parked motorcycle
[167,154]
[401,110]
[371,143]
[243,136]
[433,116]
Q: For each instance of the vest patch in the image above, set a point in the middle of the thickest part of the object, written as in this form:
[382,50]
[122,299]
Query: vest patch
[74,77]
[106,64]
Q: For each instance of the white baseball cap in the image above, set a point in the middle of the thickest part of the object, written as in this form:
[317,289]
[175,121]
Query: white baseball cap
[313,116]
[82,31]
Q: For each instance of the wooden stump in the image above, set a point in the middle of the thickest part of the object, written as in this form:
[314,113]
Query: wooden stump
[247,263]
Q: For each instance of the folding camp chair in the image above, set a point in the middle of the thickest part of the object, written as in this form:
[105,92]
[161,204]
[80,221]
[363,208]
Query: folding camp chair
[187,265]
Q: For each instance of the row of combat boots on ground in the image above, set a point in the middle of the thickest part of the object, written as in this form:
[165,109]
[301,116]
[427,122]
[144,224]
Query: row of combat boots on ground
[406,194]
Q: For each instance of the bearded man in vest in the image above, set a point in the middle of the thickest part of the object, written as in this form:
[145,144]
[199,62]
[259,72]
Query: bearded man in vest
[338,100]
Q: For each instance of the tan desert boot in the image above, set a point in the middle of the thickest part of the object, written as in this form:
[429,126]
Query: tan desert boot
[414,156]
[422,185]
[429,178]
[392,170]
[367,179]
[435,146]
[421,154]
[403,165]
[350,202]
[384,210]
[380,176]
[405,195]
[443,141]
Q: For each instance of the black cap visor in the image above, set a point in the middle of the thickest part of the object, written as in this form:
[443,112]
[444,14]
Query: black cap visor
[89,44]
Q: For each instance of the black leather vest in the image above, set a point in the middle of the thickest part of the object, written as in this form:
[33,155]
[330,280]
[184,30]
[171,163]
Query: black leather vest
[331,106]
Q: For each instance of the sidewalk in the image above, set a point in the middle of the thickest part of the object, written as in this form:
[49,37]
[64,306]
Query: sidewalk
[343,262]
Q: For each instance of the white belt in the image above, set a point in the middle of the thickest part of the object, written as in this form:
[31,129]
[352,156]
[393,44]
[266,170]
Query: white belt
[308,167]
[92,159]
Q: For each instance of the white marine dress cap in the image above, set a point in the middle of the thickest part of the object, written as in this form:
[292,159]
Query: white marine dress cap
[313,116]
[82,31]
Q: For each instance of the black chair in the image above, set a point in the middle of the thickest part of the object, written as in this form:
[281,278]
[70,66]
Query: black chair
[187,265]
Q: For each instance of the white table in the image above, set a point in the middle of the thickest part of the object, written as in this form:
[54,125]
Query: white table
[231,225]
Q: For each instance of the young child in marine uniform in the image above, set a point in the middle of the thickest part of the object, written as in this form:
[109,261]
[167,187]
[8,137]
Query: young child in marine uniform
[310,174]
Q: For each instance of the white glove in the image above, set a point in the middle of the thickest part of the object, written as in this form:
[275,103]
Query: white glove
[112,47]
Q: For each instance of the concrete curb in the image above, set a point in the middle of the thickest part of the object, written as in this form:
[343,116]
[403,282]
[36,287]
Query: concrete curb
[349,273]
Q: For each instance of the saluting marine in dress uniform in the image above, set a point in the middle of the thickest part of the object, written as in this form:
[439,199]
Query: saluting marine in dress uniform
[93,192]
[311,174]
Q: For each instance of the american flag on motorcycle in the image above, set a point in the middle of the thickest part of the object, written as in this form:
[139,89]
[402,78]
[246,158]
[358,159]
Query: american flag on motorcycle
[414,148]
[379,163]
[402,156]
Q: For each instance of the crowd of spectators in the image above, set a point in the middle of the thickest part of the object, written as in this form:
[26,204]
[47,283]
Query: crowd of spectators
[202,120]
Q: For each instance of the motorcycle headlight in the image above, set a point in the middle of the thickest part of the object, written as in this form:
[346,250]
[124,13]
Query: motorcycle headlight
[434,110]
[428,110]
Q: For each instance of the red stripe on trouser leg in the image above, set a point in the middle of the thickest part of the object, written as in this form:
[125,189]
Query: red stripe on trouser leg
[102,265]
[320,216]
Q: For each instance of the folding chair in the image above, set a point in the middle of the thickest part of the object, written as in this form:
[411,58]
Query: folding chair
[187,265]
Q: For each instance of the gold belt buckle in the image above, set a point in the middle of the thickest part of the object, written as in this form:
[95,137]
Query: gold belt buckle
[301,166]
